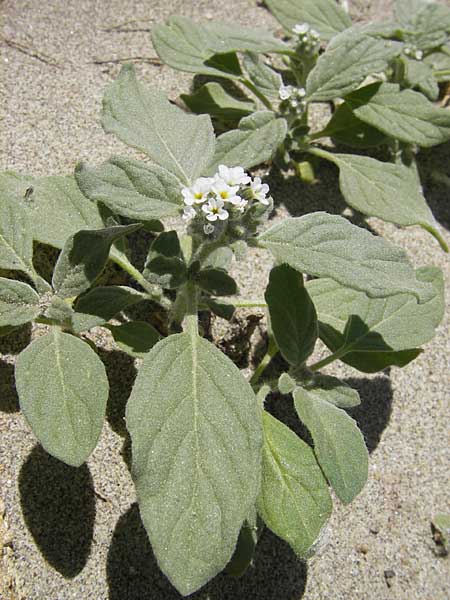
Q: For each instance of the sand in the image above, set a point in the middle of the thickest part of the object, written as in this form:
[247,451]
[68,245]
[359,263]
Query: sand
[75,534]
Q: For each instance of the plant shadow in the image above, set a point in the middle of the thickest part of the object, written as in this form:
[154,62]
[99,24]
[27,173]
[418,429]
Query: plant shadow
[434,167]
[133,573]
[58,506]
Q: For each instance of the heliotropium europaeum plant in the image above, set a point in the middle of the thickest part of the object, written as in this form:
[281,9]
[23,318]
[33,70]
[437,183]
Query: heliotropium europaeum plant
[380,79]
[207,455]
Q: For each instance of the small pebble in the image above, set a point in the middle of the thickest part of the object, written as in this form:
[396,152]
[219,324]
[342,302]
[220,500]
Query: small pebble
[389,575]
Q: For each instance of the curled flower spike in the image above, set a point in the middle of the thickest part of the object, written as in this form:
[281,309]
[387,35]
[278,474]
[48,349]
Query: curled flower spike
[197,193]
[260,191]
[285,91]
[233,175]
[214,210]
[188,213]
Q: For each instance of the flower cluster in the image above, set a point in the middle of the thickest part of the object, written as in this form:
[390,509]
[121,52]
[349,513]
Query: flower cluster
[308,40]
[413,52]
[224,196]
[293,99]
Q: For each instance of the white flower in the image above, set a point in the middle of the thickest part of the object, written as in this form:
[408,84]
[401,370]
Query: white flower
[188,213]
[242,204]
[233,175]
[198,192]
[260,191]
[225,192]
[301,28]
[214,210]
[285,91]
[418,55]
[208,228]
[301,92]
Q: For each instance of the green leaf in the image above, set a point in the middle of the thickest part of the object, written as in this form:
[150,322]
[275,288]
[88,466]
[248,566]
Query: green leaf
[131,188]
[216,282]
[83,258]
[325,16]
[265,79]
[188,46]
[440,63]
[345,128]
[431,26]
[220,258]
[286,384]
[351,319]
[374,362]
[348,60]
[141,117]
[165,265]
[19,303]
[196,441]
[212,99]
[221,309]
[136,338]
[293,501]
[292,314]
[16,242]
[63,388]
[245,549]
[338,444]
[384,190]
[419,75]
[332,390]
[404,115]
[326,245]
[60,312]
[101,304]
[256,141]
[405,11]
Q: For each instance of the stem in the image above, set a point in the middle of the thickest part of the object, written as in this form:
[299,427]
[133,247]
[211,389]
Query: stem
[190,321]
[272,349]
[322,153]
[262,97]
[154,292]
[250,304]
[329,359]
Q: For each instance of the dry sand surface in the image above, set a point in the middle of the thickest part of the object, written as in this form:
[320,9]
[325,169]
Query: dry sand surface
[75,533]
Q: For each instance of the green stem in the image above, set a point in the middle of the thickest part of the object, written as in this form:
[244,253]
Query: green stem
[262,97]
[321,153]
[250,304]
[154,292]
[272,349]
[329,359]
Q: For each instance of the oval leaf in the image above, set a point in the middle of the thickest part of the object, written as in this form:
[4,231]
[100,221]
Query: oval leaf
[338,444]
[196,442]
[294,501]
[16,241]
[136,338]
[63,389]
[19,303]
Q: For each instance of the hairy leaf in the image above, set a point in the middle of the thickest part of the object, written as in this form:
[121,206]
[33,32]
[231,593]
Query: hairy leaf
[440,63]
[219,308]
[431,26]
[19,303]
[332,390]
[131,188]
[325,16]
[350,318]
[348,60]
[216,282]
[165,265]
[256,140]
[261,75]
[189,46]
[292,314]
[338,443]
[345,128]
[212,99]
[294,501]
[405,115]
[136,338]
[16,242]
[60,311]
[101,304]
[83,258]
[196,441]
[406,10]
[326,245]
[63,388]
[141,117]
[419,75]
[385,190]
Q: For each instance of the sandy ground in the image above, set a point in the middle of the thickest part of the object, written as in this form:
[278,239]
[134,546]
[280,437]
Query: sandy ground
[75,534]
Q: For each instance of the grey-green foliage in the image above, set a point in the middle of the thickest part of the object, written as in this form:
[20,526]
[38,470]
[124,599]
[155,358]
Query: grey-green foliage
[19,303]
[255,141]
[338,443]
[64,409]
[332,390]
[326,245]
[144,118]
[261,75]
[212,99]
[131,188]
[194,47]
[402,114]
[196,456]
[136,338]
[16,241]
[324,15]
[293,501]
[293,317]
